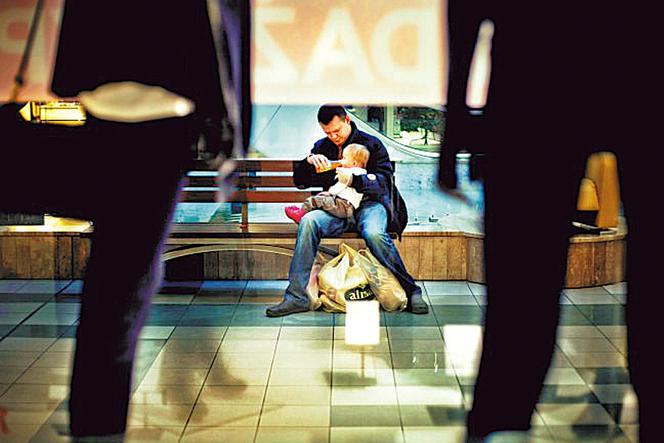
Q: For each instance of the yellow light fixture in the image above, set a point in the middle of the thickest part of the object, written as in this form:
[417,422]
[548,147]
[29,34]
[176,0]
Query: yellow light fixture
[54,113]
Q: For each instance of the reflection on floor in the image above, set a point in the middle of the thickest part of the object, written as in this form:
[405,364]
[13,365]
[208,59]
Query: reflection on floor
[212,367]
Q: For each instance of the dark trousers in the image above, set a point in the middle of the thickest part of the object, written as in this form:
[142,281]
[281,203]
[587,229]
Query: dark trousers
[125,179]
[529,205]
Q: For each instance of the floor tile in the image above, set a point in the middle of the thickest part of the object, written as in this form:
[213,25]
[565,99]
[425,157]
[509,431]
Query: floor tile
[613,331]
[11,286]
[617,288]
[298,395]
[252,346]
[230,360]
[16,307]
[225,415]
[166,394]
[605,376]
[417,333]
[581,345]
[39,331]
[295,416]
[574,414]
[25,344]
[631,432]
[45,376]
[239,376]
[364,395]
[292,435]
[430,395]
[597,359]
[35,394]
[249,333]
[456,300]
[174,360]
[156,332]
[306,333]
[306,377]
[340,332]
[353,360]
[447,434]
[614,393]
[172,299]
[366,435]
[386,415]
[18,358]
[13,318]
[27,413]
[304,346]
[574,394]
[202,332]
[408,319]
[43,287]
[191,345]
[447,288]
[141,434]
[421,360]
[433,415]
[340,346]
[158,415]
[363,377]
[417,345]
[198,434]
[608,314]
[229,395]
[175,376]
[424,377]
[589,433]
[305,360]
[563,376]
[237,364]
[579,332]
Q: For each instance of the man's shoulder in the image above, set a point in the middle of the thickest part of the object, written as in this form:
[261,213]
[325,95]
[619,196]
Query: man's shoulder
[368,140]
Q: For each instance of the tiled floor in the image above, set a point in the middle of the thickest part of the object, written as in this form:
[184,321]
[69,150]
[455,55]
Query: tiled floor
[212,367]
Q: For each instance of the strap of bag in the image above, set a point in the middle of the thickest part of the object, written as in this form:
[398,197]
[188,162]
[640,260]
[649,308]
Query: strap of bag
[19,79]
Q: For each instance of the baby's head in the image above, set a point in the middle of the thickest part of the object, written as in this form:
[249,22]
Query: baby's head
[355,156]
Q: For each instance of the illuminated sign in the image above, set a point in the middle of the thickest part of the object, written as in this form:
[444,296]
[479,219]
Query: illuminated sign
[305,51]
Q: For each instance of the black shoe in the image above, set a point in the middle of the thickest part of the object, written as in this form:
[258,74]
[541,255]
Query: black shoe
[286,307]
[416,304]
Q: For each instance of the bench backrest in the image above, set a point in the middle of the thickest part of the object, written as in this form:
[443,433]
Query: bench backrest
[258,181]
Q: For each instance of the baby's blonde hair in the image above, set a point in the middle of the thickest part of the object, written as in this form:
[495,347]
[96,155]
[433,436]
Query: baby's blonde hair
[358,153]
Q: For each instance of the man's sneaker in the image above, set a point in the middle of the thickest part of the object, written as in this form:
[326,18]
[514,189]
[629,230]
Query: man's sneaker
[416,304]
[294,213]
[286,307]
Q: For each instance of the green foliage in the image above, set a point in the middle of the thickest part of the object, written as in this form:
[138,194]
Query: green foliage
[415,118]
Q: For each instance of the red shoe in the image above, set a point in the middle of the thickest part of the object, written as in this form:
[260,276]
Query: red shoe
[294,213]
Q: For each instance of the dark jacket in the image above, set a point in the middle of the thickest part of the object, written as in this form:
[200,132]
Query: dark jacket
[377,185]
[167,44]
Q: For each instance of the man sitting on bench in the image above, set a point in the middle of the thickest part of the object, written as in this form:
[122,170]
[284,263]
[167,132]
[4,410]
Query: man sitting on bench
[382,210]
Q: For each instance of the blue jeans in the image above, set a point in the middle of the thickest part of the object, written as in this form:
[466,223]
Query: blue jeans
[370,221]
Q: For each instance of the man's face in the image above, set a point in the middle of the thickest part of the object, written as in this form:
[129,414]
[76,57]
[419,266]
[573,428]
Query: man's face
[337,130]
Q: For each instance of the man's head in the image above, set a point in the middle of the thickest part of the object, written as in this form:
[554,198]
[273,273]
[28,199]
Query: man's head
[355,156]
[335,123]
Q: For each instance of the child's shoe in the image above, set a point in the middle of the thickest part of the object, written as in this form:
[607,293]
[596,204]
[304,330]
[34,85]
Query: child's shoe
[294,213]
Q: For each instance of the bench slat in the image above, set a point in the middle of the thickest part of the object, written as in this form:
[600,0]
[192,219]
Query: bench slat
[191,196]
[244,182]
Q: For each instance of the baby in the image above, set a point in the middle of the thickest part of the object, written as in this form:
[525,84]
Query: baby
[340,200]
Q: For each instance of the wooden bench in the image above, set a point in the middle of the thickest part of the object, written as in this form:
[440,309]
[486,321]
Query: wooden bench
[264,181]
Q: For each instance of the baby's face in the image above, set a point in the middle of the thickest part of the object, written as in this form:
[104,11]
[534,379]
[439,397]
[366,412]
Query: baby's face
[348,162]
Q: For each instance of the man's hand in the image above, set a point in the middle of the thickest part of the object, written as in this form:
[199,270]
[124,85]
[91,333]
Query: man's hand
[318,161]
[344,176]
